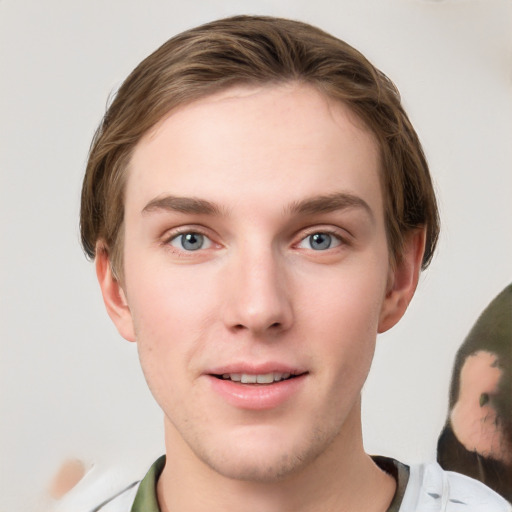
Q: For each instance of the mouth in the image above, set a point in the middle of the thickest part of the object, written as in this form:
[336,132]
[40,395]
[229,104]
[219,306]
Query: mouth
[264,388]
[260,378]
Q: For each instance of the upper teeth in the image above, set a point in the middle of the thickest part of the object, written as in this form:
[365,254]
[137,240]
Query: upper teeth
[264,378]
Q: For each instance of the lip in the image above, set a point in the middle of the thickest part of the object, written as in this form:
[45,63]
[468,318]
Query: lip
[256,396]
[256,369]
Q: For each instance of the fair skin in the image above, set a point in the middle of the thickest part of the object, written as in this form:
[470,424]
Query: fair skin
[255,247]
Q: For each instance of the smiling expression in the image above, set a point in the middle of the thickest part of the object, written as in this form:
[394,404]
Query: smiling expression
[256,275]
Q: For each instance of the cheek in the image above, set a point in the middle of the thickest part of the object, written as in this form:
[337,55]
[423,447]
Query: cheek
[170,313]
[163,298]
[168,322]
[349,298]
[345,312]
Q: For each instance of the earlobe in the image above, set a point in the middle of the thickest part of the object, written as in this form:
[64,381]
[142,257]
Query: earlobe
[402,281]
[113,295]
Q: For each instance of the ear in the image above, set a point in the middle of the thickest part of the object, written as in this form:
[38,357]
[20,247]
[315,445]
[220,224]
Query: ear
[402,280]
[113,295]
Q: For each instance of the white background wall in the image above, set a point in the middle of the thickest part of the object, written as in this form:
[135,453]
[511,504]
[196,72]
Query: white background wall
[69,385]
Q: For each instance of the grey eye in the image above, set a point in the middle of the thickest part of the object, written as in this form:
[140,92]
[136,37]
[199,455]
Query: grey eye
[191,241]
[320,241]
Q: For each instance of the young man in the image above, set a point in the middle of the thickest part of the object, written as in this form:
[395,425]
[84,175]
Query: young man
[259,208]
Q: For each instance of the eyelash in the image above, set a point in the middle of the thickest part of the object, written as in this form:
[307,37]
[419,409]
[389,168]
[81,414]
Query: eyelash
[196,230]
[186,230]
[341,239]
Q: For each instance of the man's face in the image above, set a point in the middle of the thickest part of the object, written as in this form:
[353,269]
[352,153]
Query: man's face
[255,250]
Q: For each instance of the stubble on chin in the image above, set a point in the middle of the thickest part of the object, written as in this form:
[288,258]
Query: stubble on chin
[265,467]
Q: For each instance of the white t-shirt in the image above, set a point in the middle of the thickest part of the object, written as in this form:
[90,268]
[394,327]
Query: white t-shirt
[431,489]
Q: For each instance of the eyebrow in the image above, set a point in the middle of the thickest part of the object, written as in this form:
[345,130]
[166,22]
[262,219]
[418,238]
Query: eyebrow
[182,205]
[330,203]
[309,206]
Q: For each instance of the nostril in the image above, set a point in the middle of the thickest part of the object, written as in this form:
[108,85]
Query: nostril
[272,327]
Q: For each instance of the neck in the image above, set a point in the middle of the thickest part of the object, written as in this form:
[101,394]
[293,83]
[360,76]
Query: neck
[341,479]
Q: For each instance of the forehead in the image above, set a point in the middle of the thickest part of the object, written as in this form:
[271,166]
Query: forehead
[275,142]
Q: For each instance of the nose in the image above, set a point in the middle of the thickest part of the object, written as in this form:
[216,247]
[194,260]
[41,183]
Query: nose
[258,297]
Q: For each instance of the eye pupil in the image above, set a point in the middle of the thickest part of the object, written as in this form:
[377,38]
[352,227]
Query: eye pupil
[320,241]
[192,241]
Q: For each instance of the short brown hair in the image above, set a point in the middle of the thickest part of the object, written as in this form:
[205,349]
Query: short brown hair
[255,50]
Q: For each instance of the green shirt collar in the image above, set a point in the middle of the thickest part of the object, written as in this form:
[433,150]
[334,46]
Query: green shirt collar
[146,500]
[400,472]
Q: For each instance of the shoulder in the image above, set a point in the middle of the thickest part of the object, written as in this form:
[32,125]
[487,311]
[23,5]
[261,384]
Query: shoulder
[122,502]
[433,489]
[101,490]
[139,496]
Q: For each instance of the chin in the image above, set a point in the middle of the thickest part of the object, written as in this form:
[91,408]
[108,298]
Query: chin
[274,468]
[267,459]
